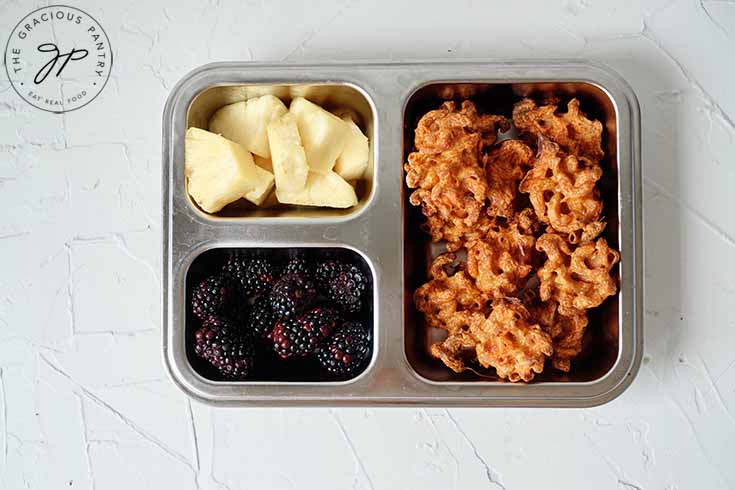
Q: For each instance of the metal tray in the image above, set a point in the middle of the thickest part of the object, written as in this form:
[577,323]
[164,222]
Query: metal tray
[382,228]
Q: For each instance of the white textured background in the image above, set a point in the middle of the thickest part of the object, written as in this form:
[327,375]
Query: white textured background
[84,401]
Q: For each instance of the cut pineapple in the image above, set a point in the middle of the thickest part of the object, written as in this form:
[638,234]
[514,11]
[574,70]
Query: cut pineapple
[353,161]
[323,134]
[288,157]
[246,122]
[328,190]
[264,163]
[270,201]
[346,113]
[219,171]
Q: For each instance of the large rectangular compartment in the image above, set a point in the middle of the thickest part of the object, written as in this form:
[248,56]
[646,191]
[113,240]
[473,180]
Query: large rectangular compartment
[601,345]
[382,231]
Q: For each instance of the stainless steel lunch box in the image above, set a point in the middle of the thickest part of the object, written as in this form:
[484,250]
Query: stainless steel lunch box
[383,228]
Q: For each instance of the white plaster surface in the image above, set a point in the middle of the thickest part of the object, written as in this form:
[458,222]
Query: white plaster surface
[84,400]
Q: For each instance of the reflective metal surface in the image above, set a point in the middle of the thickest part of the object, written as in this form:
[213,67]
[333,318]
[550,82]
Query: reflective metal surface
[383,229]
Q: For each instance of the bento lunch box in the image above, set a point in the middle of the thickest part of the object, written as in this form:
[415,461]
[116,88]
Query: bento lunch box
[383,229]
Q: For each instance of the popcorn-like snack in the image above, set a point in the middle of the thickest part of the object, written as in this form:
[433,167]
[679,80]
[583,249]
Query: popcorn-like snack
[502,260]
[469,192]
[459,91]
[451,190]
[505,166]
[577,278]
[505,340]
[527,222]
[571,130]
[566,331]
[441,129]
[457,348]
[563,194]
[448,174]
[450,302]
[510,343]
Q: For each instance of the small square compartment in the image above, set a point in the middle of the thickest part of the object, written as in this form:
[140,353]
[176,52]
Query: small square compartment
[269,368]
[330,96]
[602,337]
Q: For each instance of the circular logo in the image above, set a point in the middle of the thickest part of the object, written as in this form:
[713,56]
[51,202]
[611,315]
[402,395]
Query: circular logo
[58,58]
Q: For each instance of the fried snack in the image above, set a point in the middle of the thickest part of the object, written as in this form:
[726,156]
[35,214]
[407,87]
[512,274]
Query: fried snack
[526,90]
[452,303]
[566,332]
[458,91]
[505,166]
[501,261]
[457,348]
[563,194]
[510,343]
[451,189]
[577,278]
[505,340]
[469,192]
[441,129]
[449,301]
[571,130]
[527,221]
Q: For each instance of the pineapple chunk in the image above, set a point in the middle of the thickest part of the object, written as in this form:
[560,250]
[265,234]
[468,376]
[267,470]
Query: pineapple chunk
[264,163]
[328,190]
[288,157]
[323,134]
[346,113]
[353,161]
[219,171]
[246,122]
[269,201]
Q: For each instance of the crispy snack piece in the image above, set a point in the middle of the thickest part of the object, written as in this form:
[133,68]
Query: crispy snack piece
[571,130]
[458,91]
[441,129]
[501,261]
[471,201]
[505,166]
[447,173]
[566,331]
[563,194]
[449,301]
[451,189]
[457,348]
[510,343]
[577,278]
[527,221]
[506,340]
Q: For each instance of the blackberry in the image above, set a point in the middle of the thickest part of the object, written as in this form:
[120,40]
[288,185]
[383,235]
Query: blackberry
[347,351]
[325,272]
[226,347]
[261,318]
[214,296]
[291,295]
[347,287]
[298,265]
[303,335]
[253,276]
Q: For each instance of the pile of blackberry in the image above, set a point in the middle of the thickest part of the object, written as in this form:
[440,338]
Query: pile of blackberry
[303,312]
